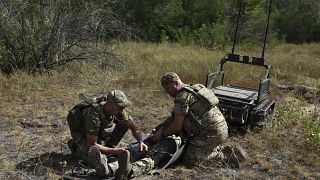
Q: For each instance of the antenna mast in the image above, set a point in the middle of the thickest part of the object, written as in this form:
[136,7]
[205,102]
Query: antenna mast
[265,36]
[235,33]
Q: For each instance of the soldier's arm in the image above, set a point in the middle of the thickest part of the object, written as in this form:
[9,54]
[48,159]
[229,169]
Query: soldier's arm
[92,141]
[136,134]
[181,108]
[92,126]
[175,127]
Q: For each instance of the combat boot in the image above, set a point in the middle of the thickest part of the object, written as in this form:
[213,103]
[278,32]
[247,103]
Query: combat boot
[99,162]
[125,166]
[234,155]
[72,146]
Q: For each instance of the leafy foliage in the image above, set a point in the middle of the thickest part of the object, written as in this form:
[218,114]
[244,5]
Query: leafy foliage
[298,21]
[37,35]
[190,20]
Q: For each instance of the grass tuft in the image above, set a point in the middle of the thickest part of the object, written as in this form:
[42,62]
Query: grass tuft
[285,116]
[312,129]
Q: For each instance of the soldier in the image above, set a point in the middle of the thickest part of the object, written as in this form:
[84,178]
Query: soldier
[159,155]
[195,114]
[87,122]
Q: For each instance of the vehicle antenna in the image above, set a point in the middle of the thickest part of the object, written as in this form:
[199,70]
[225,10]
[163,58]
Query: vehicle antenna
[265,36]
[235,33]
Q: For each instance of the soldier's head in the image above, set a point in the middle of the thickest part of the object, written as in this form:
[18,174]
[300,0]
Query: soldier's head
[116,102]
[171,83]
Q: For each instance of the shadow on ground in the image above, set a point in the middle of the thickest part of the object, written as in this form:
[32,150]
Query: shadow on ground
[59,165]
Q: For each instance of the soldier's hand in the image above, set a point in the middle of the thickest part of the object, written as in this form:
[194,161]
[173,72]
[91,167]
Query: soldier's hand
[157,136]
[143,146]
[149,140]
[118,150]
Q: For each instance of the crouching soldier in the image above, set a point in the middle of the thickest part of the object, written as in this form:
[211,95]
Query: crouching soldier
[196,114]
[87,122]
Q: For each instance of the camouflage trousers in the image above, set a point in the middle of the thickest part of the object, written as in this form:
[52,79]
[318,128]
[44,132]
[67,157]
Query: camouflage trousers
[110,137]
[158,155]
[202,146]
[79,148]
[142,162]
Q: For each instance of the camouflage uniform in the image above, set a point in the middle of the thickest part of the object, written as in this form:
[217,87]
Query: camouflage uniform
[94,123]
[157,156]
[204,123]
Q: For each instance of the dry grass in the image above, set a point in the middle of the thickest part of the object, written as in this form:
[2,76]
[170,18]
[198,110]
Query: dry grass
[150,61]
[296,64]
[24,94]
[43,100]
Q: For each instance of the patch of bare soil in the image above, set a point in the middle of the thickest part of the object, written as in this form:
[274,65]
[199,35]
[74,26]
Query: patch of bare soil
[36,149]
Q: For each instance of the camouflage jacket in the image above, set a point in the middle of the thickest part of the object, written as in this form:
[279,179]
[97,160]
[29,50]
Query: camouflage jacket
[195,102]
[93,120]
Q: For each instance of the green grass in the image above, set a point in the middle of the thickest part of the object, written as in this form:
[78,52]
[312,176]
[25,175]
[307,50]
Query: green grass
[51,95]
[23,95]
[312,129]
[285,116]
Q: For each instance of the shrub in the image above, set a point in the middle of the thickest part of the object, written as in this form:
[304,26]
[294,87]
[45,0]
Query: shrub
[36,36]
[215,35]
[184,35]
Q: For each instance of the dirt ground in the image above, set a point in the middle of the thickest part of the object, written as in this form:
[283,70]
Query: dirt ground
[36,149]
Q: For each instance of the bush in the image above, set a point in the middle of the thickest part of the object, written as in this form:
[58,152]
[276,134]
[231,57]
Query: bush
[36,36]
[184,35]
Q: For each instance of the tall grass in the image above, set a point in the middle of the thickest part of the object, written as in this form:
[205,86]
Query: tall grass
[149,61]
[313,132]
[290,64]
[22,93]
[144,64]
[312,128]
[296,64]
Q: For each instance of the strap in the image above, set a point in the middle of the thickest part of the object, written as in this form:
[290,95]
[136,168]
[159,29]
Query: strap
[103,118]
[193,89]
[98,108]
[174,158]
[200,91]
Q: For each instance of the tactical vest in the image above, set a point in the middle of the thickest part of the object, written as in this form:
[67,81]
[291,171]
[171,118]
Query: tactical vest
[200,107]
[75,117]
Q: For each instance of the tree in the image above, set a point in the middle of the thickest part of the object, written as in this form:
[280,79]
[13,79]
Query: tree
[39,35]
[297,21]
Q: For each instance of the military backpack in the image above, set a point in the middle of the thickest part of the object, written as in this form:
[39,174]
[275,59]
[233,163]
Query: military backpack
[75,117]
[198,109]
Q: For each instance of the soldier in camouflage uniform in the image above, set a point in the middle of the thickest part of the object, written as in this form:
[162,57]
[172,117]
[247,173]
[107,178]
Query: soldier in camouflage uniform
[158,155]
[87,123]
[195,114]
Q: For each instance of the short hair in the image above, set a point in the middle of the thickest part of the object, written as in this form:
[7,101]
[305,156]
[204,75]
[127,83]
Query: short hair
[169,77]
